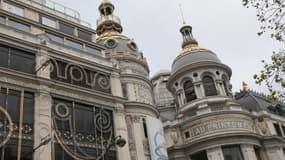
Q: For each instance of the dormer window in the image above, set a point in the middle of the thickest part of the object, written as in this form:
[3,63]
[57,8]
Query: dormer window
[209,86]
[189,91]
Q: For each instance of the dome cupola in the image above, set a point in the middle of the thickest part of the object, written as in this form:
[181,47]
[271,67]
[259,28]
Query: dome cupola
[107,20]
[188,39]
[197,74]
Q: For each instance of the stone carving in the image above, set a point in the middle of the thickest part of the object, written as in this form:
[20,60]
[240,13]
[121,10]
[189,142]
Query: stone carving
[134,67]
[132,142]
[174,135]
[143,94]
[262,126]
[146,147]
[221,125]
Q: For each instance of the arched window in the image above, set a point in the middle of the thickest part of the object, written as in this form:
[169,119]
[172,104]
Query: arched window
[189,91]
[209,86]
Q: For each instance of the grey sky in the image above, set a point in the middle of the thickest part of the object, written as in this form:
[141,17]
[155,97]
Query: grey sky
[224,26]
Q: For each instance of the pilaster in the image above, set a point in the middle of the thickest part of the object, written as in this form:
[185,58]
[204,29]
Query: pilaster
[215,154]
[116,85]
[248,152]
[137,124]
[42,64]
[43,126]
[275,153]
[121,130]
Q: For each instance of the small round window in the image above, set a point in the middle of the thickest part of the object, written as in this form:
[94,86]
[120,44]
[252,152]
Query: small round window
[110,43]
[133,46]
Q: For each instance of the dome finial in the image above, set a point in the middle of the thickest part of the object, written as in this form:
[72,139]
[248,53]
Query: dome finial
[108,21]
[186,31]
[245,86]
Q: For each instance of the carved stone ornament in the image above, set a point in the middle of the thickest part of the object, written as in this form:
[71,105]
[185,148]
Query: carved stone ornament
[174,135]
[262,126]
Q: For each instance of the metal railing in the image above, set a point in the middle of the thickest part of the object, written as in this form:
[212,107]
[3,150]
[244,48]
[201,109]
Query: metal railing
[57,9]
[108,18]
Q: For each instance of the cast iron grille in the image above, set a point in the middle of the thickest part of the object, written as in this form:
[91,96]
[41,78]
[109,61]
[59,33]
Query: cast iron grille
[82,131]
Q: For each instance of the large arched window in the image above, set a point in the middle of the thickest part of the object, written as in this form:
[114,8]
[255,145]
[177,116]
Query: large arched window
[209,86]
[189,91]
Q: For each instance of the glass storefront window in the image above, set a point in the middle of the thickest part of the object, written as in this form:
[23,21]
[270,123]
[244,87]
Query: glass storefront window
[48,22]
[55,38]
[16,108]
[18,25]
[13,9]
[84,35]
[66,28]
[199,156]
[232,153]
[92,50]
[17,59]
[2,20]
[73,44]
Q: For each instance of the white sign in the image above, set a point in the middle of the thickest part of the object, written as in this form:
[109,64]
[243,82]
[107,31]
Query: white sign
[156,139]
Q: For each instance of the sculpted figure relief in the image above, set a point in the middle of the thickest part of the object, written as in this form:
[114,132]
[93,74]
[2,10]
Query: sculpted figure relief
[174,135]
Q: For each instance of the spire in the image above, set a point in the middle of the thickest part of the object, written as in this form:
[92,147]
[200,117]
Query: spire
[108,21]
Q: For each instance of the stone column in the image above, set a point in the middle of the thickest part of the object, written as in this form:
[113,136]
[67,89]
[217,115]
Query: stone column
[43,70]
[116,85]
[248,152]
[121,130]
[131,91]
[139,137]
[215,153]
[43,104]
[275,153]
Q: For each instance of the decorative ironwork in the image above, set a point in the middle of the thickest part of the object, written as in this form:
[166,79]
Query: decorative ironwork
[82,131]
[80,76]
[16,124]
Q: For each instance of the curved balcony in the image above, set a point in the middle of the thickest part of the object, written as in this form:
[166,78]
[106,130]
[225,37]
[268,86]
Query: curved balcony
[110,18]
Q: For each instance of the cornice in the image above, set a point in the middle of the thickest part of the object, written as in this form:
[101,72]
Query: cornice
[37,81]
[141,106]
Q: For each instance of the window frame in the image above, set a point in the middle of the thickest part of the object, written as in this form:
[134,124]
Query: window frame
[189,91]
[209,85]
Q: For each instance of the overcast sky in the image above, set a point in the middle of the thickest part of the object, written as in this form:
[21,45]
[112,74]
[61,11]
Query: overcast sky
[223,26]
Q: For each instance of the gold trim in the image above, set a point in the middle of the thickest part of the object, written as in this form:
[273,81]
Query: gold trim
[191,49]
[20,126]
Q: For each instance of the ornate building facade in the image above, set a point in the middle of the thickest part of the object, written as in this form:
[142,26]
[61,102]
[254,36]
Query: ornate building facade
[68,91]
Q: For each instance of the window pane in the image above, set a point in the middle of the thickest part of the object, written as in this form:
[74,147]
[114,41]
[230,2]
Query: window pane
[209,86]
[13,9]
[277,129]
[84,35]
[4,56]
[199,156]
[93,50]
[189,91]
[232,153]
[19,26]
[73,44]
[22,61]
[48,22]
[66,29]
[55,38]
[2,20]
